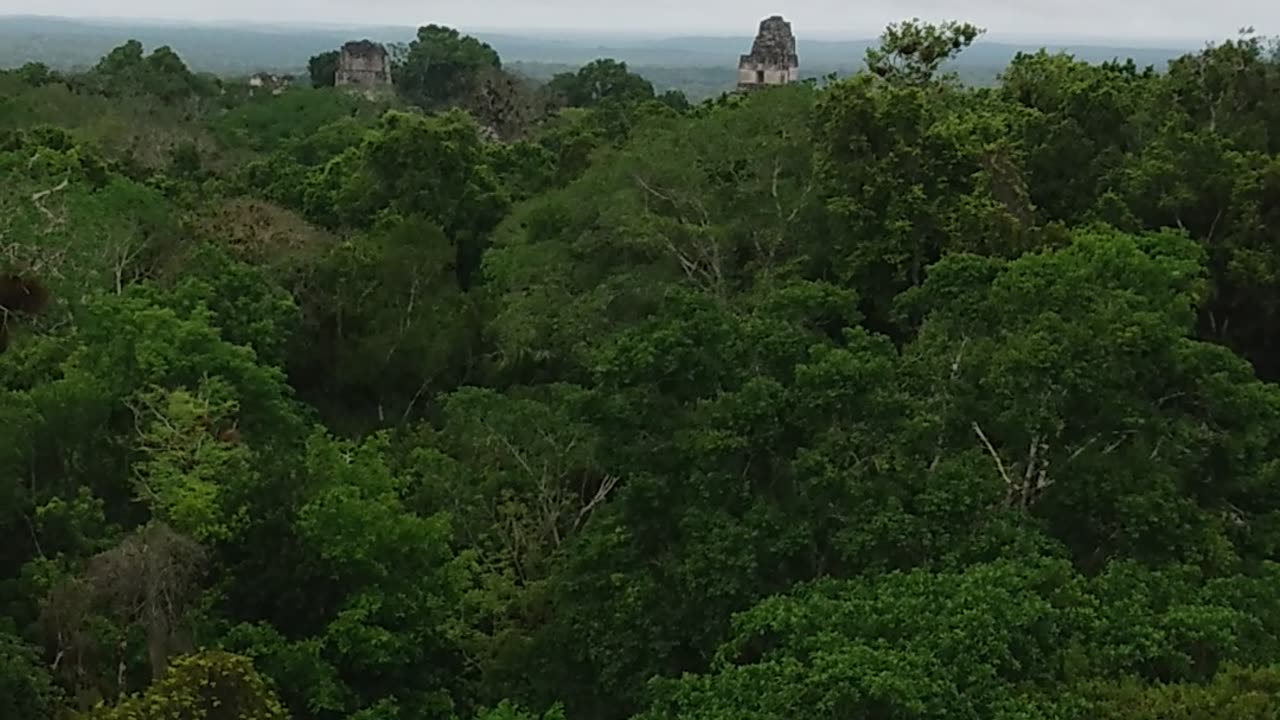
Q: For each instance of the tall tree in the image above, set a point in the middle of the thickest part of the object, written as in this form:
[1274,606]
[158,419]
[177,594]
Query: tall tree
[604,80]
[912,52]
[439,65]
[323,68]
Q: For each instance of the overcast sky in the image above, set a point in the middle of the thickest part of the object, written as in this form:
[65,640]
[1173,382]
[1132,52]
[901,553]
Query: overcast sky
[1138,19]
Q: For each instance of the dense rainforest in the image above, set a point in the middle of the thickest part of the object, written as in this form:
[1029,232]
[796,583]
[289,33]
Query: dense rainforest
[882,397]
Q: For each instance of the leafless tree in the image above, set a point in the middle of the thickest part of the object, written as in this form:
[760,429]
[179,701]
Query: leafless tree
[150,579]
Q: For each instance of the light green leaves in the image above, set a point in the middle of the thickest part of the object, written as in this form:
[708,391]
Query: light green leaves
[192,456]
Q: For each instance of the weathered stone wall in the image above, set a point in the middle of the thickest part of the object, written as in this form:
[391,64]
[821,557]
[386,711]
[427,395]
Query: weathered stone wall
[269,81]
[363,64]
[773,59]
[754,74]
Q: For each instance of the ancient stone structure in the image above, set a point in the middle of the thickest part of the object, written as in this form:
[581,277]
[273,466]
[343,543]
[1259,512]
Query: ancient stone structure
[363,65]
[773,59]
[271,82]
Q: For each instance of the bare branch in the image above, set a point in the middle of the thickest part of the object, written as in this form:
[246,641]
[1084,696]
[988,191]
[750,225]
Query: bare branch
[1156,450]
[606,486]
[38,197]
[994,455]
[653,191]
[955,372]
[1082,448]
[515,452]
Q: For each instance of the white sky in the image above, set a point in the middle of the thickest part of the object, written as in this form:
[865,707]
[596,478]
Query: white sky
[1135,19]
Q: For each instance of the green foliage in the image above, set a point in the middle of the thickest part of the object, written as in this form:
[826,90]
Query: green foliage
[909,176]
[599,82]
[379,181]
[25,684]
[438,65]
[269,123]
[911,52]
[1080,357]
[242,302]
[992,641]
[508,711]
[385,322]
[879,397]
[37,74]
[203,686]
[675,100]
[684,208]
[455,189]
[390,573]
[189,449]
[323,69]
[125,71]
[1245,693]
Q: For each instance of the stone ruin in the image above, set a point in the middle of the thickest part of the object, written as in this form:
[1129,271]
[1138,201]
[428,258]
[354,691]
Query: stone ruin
[773,59]
[275,84]
[363,65]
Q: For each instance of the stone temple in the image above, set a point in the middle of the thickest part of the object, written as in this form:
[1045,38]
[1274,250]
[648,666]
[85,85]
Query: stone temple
[363,64]
[773,59]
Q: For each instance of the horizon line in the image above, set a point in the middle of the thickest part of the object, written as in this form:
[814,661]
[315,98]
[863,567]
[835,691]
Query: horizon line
[848,34]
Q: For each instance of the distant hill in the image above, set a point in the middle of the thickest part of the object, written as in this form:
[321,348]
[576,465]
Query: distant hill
[705,61]
[75,44]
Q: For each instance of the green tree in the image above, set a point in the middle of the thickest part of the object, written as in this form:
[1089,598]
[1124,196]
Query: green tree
[1235,692]
[721,203]
[390,578]
[191,452]
[1079,390]
[601,81]
[908,174]
[379,179]
[676,100]
[323,69]
[439,64]
[1076,111]
[912,52]
[37,74]
[883,396]
[204,686]
[125,72]
[386,325]
[509,711]
[25,685]
[1004,639]
[1228,88]
[505,104]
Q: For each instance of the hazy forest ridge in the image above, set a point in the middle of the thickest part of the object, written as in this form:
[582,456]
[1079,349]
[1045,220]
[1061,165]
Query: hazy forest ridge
[699,66]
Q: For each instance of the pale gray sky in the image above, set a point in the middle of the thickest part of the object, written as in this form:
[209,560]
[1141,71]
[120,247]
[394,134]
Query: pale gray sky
[1138,19]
